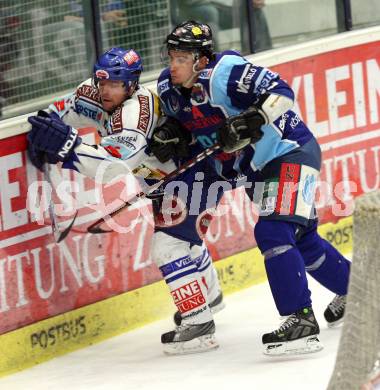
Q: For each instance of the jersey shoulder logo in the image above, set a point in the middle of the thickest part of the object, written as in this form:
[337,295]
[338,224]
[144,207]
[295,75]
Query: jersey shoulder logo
[88,92]
[60,105]
[244,83]
[117,120]
[163,86]
[144,114]
[205,74]
[198,95]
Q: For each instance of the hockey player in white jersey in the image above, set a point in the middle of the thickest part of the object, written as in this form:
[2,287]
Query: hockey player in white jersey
[125,115]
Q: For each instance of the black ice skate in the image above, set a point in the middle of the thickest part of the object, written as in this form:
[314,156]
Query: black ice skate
[298,334]
[187,338]
[216,306]
[335,311]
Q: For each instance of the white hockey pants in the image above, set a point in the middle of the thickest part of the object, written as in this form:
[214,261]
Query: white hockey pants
[189,274]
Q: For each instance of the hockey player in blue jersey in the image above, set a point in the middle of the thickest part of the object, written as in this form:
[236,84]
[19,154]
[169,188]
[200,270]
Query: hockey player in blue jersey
[247,108]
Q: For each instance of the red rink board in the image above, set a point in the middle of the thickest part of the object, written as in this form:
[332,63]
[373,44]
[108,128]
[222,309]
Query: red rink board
[337,95]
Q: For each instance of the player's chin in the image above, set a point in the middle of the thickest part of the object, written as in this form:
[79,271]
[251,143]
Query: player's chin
[108,106]
[177,80]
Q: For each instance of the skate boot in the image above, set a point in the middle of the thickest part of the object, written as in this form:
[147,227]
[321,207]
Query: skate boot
[216,306]
[298,334]
[190,338]
[334,314]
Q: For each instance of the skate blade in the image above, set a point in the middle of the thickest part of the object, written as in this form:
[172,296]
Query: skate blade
[309,344]
[335,324]
[200,344]
[218,308]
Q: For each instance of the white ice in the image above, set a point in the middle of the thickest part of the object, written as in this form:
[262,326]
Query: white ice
[134,360]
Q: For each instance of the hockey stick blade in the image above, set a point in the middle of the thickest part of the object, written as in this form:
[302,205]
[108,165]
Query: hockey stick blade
[58,234]
[95,227]
[62,234]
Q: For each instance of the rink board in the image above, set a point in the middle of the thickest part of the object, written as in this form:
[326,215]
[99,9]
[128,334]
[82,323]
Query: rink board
[336,82]
[91,324]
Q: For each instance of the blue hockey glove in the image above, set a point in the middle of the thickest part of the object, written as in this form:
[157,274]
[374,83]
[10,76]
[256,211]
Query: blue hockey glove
[45,114]
[38,158]
[53,137]
[240,130]
[170,140]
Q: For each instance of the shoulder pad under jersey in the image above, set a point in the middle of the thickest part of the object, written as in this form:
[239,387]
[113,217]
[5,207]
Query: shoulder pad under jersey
[82,107]
[88,92]
[139,113]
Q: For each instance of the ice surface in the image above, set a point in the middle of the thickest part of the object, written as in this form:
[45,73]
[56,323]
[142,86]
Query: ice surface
[134,360]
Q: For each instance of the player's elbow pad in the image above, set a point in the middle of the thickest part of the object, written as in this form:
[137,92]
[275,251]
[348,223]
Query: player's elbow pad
[94,162]
[110,172]
[275,105]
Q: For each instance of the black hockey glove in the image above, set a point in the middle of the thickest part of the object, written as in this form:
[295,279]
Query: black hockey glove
[170,140]
[240,130]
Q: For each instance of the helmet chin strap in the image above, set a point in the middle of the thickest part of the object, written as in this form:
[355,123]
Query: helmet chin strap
[191,80]
[131,89]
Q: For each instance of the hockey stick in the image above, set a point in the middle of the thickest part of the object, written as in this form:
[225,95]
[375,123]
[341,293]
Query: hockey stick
[95,227]
[59,234]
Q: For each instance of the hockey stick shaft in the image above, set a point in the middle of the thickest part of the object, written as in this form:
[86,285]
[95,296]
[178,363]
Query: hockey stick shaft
[95,227]
[58,234]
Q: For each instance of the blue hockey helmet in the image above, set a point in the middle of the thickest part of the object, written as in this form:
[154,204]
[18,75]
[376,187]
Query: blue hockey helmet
[191,36]
[119,64]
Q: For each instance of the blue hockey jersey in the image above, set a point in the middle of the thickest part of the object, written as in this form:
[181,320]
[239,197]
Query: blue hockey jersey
[228,86]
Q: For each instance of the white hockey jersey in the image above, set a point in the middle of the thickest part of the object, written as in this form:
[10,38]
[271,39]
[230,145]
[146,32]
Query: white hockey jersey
[124,134]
